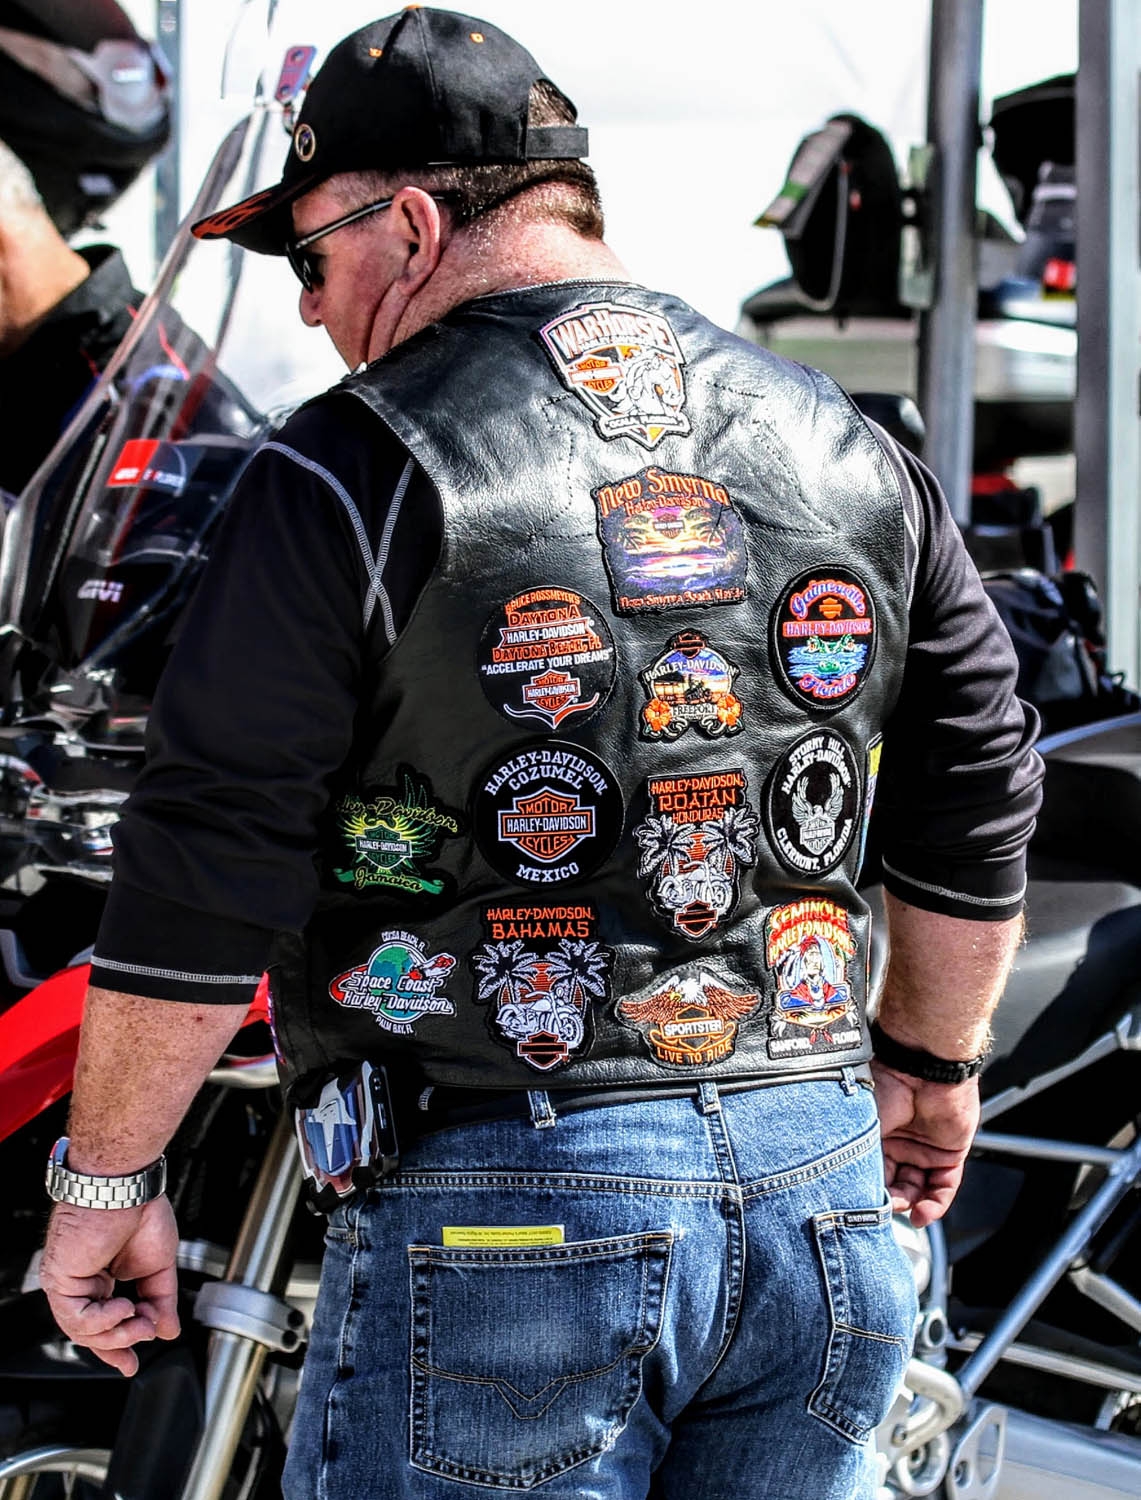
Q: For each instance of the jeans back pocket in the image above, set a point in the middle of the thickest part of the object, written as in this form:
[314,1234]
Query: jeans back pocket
[871,1298]
[527,1362]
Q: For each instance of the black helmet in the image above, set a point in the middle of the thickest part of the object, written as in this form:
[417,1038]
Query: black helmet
[84,101]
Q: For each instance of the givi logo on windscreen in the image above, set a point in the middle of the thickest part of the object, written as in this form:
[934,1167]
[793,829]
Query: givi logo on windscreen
[149,462]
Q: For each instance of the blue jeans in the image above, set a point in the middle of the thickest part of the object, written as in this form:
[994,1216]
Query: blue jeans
[727,1313]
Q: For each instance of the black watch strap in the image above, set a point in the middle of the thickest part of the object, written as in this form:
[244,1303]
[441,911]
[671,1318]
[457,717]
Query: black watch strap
[919,1064]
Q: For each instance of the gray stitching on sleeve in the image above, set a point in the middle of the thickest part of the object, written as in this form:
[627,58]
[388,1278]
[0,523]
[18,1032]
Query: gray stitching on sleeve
[145,969]
[385,542]
[376,583]
[941,890]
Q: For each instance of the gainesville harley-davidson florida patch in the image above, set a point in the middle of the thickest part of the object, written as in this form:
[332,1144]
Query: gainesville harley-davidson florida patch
[689,685]
[812,803]
[808,946]
[547,656]
[824,637]
[542,969]
[670,541]
[625,365]
[399,984]
[692,1018]
[391,835]
[547,814]
[699,833]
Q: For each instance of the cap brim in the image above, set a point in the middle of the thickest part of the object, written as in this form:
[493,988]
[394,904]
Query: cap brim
[262,222]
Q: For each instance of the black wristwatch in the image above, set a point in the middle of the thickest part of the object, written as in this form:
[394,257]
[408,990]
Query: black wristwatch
[919,1064]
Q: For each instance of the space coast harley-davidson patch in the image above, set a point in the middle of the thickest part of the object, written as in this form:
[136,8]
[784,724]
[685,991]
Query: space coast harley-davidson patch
[692,1018]
[390,836]
[690,685]
[399,984]
[808,947]
[824,637]
[625,365]
[542,970]
[670,541]
[547,656]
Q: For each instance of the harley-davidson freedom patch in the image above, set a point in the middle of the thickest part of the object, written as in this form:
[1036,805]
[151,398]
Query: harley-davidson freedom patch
[808,946]
[698,835]
[692,1018]
[689,685]
[625,365]
[670,541]
[399,984]
[542,969]
[824,636]
[812,802]
[391,834]
[546,656]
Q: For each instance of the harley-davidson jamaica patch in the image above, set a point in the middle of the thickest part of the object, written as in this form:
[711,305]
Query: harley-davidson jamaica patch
[547,814]
[692,1018]
[625,365]
[812,803]
[808,946]
[399,984]
[670,541]
[390,836]
[824,637]
[698,835]
[547,656]
[690,685]
[542,970]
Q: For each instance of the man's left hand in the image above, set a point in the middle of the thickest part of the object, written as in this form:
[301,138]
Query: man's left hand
[927,1131]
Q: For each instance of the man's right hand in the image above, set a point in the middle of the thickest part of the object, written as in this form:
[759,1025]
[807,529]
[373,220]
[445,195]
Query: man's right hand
[86,1251]
[927,1130]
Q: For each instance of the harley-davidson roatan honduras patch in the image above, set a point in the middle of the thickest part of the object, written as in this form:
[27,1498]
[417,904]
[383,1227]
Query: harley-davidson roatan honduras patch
[812,803]
[698,835]
[824,637]
[692,1018]
[690,684]
[547,814]
[392,834]
[546,656]
[542,969]
[670,541]
[625,365]
[399,984]
[808,946]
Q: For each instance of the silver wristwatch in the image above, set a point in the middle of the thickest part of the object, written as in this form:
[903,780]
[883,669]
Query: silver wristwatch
[131,1190]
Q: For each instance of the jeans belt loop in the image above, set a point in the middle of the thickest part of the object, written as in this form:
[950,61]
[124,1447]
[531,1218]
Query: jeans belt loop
[848,1081]
[542,1110]
[710,1098]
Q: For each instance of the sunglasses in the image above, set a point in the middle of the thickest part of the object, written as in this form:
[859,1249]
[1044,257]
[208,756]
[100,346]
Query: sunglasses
[306,267]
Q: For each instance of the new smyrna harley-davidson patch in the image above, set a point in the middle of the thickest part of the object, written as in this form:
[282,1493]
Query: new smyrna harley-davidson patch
[690,1019]
[689,685]
[670,541]
[808,946]
[547,656]
[625,365]
[542,969]
[698,835]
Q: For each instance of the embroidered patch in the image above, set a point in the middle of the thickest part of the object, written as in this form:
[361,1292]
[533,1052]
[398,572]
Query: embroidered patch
[873,775]
[811,804]
[542,968]
[824,637]
[699,833]
[625,365]
[808,946]
[546,656]
[690,684]
[670,541]
[690,1019]
[548,814]
[399,984]
[392,835]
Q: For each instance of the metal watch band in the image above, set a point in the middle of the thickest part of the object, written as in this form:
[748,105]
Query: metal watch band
[919,1064]
[85,1190]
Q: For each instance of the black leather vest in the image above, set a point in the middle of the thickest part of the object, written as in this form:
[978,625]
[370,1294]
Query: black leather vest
[607,800]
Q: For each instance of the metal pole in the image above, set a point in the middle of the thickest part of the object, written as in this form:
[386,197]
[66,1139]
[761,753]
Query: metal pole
[168,178]
[1106,438]
[947,330]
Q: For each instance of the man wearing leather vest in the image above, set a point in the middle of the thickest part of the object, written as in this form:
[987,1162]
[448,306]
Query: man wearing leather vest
[527,726]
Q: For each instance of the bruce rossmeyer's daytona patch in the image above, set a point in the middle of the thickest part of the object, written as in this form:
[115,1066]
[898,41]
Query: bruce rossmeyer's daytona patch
[546,655]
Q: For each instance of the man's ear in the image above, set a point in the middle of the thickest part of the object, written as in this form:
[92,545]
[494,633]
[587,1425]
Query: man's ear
[417,220]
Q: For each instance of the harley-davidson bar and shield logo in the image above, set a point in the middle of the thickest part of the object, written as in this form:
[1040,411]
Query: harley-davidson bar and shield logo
[808,946]
[625,365]
[691,1019]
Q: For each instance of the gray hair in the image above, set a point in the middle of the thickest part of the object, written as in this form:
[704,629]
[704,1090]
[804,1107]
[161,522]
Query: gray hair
[17,185]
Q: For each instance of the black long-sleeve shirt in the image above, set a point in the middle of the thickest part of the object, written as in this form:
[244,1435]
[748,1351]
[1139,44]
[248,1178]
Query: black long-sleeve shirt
[330,539]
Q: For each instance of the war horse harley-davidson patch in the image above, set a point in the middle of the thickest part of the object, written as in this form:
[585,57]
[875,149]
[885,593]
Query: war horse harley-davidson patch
[626,366]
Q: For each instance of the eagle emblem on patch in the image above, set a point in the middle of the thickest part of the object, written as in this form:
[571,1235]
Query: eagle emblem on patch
[690,1019]
[625,365]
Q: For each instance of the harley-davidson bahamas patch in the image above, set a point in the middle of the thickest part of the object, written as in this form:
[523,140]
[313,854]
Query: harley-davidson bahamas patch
[625,365]
[808,946]
[691,1018]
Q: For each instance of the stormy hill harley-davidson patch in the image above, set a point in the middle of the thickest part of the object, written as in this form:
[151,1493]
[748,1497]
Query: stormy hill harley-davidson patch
[546,656]
[670,541]
[391,835]
[699,833]
[542,969]
[692,1018]
[689,685]
[399,984]
[808,946]
[547,814]
[625,365]
[824,636]
[812,803]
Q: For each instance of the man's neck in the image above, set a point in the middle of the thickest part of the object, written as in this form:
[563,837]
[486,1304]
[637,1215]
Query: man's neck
[37,271]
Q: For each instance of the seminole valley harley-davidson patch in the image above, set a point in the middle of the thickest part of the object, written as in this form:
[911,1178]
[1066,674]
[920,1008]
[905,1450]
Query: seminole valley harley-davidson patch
[625,365]
[690,1019]
[808,946]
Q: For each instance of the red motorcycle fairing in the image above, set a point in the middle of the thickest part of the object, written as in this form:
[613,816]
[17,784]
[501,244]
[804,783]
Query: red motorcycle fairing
[39,1040]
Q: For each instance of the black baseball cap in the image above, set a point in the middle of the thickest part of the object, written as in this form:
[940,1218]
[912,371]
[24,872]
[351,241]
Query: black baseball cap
[422,88]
